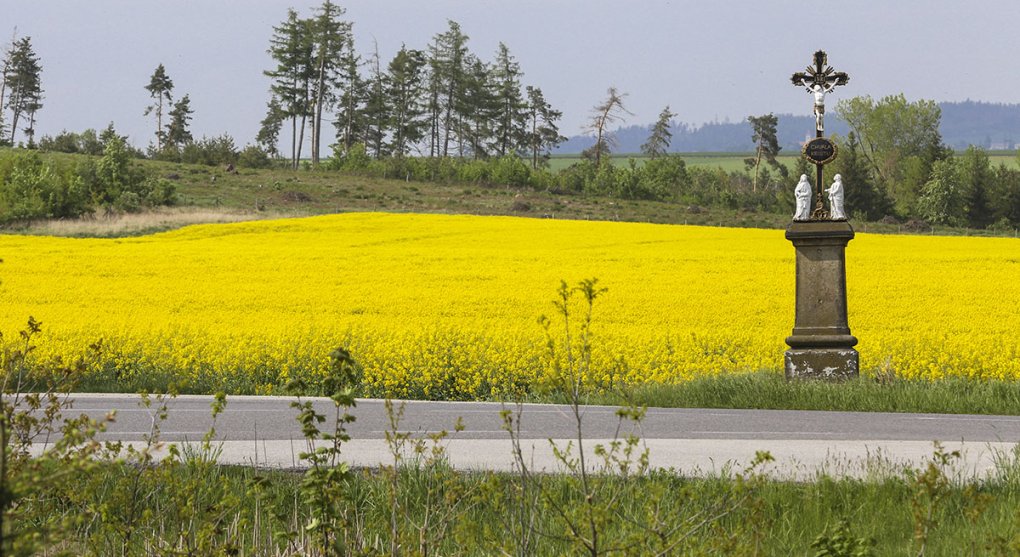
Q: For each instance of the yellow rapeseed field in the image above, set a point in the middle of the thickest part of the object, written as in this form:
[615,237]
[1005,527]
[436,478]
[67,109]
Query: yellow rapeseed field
[447,306]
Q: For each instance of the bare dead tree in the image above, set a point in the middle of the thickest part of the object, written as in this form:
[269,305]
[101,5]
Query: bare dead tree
[609,111]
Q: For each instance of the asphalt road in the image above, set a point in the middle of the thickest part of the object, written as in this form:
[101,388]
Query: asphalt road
[263,431]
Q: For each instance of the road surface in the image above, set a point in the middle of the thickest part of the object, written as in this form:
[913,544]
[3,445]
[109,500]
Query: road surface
[263,431]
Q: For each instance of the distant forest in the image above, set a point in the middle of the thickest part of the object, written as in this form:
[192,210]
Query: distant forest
[986,125]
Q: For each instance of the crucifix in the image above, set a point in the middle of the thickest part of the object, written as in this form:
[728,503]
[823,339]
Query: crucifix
[821,346]
[820,80]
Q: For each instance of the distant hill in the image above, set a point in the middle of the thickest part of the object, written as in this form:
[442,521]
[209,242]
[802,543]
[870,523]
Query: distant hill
[992,126]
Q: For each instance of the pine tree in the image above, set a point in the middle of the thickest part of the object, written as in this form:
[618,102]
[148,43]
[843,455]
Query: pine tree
[404,87]
[350,116]
[976,176]
[160,88]
[658,141]
[476,111]
[433,106]
[291,48]
[23,84]
[510,118]
[178,133]
[448,60]
[763,134]
[376,112]
[269,128]
[544,135]
[329,36]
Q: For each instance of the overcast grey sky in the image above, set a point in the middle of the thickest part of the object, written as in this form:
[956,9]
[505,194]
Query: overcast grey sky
[708,60]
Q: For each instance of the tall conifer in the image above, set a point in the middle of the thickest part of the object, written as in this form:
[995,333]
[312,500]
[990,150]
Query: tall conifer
[160,88]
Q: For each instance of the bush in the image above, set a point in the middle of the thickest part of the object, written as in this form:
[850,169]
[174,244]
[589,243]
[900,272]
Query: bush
[210,151]
[475,172]
[575,177]
[114,175]
[158,191]
[666,177]
[129,202]
[354,159]
[87,142]
[31,189]
[253,156]
[510,170]
[64,142]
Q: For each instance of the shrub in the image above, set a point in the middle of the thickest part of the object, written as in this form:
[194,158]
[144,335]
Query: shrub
[475,172]
[510,170]
[86,142]
[30,189]
[666,177]
[129,202]
[210,151]
[107,180]
[253,156]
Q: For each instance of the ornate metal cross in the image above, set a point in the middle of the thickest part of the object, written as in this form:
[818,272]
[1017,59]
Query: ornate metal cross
[821,74]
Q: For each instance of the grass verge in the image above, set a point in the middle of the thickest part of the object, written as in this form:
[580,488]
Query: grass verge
[256,512]
[769,390]
[761,390]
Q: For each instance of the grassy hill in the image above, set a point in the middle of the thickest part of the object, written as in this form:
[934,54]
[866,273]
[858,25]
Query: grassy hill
[214,194]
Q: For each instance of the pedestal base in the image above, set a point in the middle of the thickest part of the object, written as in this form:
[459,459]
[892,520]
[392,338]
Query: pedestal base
[821,346]
[832,364]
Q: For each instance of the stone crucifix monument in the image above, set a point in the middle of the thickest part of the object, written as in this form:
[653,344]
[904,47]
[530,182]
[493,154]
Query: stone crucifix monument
[821,346]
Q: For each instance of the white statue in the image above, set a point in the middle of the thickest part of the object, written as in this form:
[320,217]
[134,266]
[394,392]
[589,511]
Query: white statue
[803,195]
[835,192]
[819,91]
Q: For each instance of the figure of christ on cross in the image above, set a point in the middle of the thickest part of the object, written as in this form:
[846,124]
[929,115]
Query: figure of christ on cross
[819,92]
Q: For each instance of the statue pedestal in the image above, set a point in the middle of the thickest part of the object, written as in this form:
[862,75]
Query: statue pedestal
[821,346]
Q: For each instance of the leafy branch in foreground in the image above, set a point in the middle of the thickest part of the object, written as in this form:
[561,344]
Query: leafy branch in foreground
[323,486]
[31,414]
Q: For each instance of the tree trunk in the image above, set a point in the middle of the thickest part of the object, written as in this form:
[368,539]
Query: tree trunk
[434,131]
[293,142]
[159,123]
[3,90]
[301,141]
[14,121]
[31,127]
[349,124]
[304,119]
[446,120]
[757,162]
[398,122]
[320,93]
[534,141]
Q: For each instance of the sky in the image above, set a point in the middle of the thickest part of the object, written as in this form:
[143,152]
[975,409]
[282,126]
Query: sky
[708,60]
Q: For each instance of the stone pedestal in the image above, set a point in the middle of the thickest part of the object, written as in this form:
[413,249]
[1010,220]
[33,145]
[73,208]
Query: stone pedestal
[821,346]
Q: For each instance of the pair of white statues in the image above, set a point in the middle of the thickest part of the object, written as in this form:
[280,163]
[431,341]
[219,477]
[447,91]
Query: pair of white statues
[803,195]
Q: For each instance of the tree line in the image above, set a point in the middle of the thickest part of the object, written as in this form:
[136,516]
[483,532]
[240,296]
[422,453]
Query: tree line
[895,164]
[438,101]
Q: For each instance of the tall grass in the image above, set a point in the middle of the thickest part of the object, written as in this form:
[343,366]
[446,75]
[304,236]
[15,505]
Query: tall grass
[129,224]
